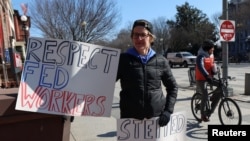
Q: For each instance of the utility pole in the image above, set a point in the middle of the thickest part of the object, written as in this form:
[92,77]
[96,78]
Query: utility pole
[224,46]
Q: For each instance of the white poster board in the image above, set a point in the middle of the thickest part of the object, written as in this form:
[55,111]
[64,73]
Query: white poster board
[149,130]
[68,78]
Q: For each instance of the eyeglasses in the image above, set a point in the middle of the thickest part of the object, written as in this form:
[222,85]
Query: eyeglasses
[141,35]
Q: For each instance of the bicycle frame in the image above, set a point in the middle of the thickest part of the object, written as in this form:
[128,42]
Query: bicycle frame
[217,94]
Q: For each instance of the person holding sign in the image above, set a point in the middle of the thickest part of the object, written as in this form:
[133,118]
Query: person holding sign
[142,72]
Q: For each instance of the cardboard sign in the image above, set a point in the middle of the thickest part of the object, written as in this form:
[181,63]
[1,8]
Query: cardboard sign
[68,78]
[149,130]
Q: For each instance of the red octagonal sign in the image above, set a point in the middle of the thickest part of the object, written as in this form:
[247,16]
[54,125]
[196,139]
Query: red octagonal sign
[227,30]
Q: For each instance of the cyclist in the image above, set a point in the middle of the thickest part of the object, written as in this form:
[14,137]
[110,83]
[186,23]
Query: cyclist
[204,71]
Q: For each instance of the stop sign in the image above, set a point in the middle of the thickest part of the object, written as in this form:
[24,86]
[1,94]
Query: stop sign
[227,30]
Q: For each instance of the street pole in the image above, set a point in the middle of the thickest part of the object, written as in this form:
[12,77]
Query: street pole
[12,52]
[25,28]
[161,45]
[5,75]
[224,45]
[85,33]
[84,24]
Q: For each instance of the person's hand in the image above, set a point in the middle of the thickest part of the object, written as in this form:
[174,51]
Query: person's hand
[209,80]
[164,118]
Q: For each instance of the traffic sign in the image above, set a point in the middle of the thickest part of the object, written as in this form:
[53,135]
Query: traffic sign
[227,30]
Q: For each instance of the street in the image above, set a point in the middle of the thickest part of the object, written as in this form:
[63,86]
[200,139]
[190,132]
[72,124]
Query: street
[104,129]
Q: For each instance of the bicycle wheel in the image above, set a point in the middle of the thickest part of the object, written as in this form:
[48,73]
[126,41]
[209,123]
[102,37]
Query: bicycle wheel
[195,106]
[229,112]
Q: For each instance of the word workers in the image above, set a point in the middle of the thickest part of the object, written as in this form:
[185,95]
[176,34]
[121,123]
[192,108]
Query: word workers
[64,102]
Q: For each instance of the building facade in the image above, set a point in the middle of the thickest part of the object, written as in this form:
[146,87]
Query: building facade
[13,35]
[239,50]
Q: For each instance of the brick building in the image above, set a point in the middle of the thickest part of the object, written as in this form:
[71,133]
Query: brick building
[13,35]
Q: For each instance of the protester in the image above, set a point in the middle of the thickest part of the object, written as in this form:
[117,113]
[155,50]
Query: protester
[141,73]
[204,71]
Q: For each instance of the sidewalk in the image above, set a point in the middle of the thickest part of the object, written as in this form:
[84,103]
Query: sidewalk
[8,90]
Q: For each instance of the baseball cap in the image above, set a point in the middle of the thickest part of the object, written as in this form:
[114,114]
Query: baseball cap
[144,23]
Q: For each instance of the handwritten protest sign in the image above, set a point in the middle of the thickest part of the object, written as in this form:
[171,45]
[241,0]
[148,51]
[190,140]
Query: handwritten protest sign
[68,78]
[149,130]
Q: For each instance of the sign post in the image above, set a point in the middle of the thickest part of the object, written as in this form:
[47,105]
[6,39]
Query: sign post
[227,34]
[227,30]
[224,45]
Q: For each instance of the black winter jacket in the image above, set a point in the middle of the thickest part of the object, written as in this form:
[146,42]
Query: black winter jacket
[141,93]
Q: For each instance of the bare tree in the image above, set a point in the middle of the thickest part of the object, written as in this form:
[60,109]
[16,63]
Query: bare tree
[161,30]
[216,20]
[81,20]
[123,40]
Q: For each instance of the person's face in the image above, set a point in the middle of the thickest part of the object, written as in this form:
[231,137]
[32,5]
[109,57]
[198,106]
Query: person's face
[211,51]
[141,38]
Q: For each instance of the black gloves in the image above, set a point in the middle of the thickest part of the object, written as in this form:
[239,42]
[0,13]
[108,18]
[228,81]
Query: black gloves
[164,118]
[209,80]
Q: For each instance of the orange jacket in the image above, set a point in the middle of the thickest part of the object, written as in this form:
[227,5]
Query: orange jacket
[208,65]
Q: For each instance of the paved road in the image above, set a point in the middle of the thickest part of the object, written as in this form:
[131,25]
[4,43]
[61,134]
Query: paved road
[104,129]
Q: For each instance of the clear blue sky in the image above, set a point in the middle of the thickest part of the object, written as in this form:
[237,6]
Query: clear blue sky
[152,9]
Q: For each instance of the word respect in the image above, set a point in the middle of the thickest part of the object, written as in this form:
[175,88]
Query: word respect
[52,58]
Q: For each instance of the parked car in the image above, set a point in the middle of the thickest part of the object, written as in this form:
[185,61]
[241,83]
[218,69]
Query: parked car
[183,59]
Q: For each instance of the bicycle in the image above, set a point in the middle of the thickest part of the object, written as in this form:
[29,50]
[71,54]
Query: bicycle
[228,111]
